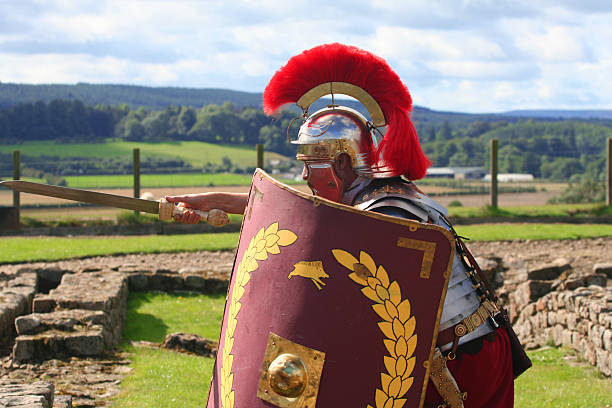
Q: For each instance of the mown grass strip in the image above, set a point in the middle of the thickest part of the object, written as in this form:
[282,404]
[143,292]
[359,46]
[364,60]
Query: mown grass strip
[164,180]
[160,180]
[511,231]
[543,211]
[30,249]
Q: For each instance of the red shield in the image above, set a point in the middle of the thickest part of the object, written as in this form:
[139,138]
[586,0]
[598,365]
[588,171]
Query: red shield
[354,297]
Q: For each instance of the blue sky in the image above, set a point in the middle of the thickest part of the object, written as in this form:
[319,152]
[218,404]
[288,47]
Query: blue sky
[468,56]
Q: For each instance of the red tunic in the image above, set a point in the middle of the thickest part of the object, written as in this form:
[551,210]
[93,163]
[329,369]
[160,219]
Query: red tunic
[486,376]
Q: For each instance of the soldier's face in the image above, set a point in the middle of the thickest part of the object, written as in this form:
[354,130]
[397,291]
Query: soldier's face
[323,180]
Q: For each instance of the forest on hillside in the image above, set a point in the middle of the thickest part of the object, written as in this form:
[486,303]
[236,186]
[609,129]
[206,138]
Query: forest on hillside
[552,149]
[117,94]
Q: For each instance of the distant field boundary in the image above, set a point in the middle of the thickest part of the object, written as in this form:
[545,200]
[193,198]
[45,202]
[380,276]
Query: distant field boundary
[159,228]
[532,220]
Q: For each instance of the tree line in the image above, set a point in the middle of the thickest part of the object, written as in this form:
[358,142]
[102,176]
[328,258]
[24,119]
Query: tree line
[116,94]
[545,148]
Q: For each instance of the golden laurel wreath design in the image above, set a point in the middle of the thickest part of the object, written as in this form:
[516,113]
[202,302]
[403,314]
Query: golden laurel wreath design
[397,325]
[266,241]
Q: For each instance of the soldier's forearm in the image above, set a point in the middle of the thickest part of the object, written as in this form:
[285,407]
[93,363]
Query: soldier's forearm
[233,203]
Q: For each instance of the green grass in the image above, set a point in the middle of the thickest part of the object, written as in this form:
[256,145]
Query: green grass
[164,180]
[30,249]
[166,379]
[552,382]
[501,232]
[163,378]
[549,210]
[160,180]
[195,153]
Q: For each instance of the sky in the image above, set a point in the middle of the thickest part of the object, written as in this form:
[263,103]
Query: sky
[453,55]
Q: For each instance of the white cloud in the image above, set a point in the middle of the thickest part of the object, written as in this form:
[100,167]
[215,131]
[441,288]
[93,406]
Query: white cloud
[469,55]
[556,44]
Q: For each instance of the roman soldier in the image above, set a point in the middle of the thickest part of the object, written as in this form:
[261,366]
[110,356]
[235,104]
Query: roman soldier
[370,163]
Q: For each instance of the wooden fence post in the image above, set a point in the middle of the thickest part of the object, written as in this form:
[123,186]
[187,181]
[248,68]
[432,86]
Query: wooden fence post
[260,156]
[494,173]
[17,176]
[609,174]
[136,174]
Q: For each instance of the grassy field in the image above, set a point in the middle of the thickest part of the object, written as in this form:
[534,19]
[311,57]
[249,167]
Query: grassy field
[22,249]
[165,379]
[29,249]
[195,153]
[554,382]
[159,180]
[550,210]
[163,180]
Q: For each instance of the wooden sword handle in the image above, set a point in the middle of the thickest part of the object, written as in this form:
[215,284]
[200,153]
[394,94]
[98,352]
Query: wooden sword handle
[216,218]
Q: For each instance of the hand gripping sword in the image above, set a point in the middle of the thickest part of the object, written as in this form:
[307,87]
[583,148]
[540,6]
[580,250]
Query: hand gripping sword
[163,208]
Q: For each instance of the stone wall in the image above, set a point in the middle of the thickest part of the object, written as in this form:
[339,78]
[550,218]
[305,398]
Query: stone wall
[580,319]
[83,316]
[16,296]
[36,395]
[50,312]
[572,311]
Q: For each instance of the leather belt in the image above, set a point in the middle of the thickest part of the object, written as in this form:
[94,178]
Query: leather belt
[486,310]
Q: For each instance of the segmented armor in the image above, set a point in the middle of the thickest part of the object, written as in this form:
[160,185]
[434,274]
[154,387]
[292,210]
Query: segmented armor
[399,198]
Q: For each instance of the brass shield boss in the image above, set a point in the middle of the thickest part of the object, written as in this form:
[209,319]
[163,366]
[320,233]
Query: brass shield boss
[290,374]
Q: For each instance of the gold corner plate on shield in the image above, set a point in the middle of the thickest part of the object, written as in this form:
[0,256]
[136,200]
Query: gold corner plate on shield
[290,374]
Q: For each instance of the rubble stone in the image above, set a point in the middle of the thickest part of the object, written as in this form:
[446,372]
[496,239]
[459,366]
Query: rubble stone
[548,272]
[35,395]
[605,268]
[191,343]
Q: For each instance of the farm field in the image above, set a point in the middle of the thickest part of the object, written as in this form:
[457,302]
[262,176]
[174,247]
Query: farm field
[159,180]
[94,212]
[195,153]
[168,184]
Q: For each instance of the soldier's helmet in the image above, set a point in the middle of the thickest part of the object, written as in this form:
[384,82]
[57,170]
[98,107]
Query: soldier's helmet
[385,145]
[334,130]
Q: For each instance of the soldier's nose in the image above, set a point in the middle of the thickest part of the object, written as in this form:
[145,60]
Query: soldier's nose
[305,173]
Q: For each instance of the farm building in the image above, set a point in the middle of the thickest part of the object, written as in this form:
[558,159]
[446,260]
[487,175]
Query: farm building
[459,173]
[506,177]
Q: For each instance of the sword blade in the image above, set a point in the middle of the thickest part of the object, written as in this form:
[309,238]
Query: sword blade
[85,196]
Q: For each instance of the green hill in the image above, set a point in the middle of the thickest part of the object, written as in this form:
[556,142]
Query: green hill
[88,115]
[131,95]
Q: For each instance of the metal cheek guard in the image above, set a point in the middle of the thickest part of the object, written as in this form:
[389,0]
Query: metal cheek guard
[324,181]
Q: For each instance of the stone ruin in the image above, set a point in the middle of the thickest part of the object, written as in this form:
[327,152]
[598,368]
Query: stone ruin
[37,395]
[552,304]
[554,307]
[50,313]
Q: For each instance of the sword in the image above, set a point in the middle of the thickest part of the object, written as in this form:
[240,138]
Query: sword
[163,208]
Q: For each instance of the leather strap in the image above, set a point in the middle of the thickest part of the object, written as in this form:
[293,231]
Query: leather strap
[469,324]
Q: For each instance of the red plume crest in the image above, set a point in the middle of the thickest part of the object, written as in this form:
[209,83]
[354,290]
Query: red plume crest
[342,63]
